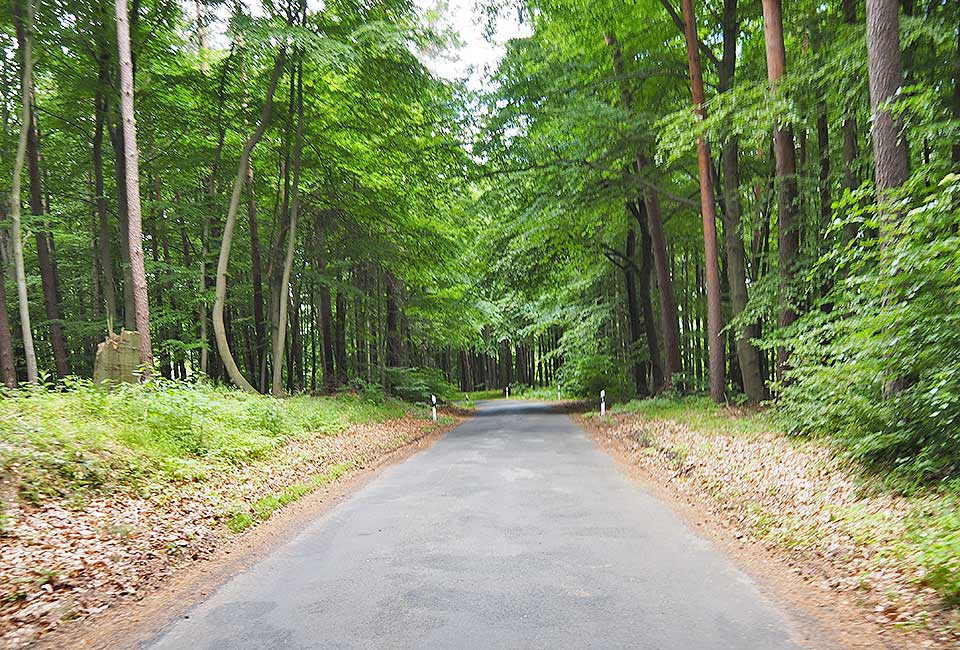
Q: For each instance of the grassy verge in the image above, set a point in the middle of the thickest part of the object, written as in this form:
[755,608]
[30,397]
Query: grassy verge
[88,441]
[807,497]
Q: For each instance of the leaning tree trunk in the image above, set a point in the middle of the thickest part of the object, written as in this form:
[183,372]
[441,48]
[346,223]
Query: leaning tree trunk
[786,168]
[223,261]
[135,237]
[8,371]
[283,294]
[708,209]
[46,259]
[15,230]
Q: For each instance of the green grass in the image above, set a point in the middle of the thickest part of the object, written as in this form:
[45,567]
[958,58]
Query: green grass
[262,509]
[88,440]
[699,413]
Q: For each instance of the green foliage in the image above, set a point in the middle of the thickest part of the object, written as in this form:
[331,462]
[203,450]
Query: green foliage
[89,439]
[882,374]
[416,385]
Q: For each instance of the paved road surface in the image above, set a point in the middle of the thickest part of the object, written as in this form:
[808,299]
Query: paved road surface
[512,532]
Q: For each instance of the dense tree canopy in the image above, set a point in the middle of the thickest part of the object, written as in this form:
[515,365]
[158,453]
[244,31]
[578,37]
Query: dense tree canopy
[320,210]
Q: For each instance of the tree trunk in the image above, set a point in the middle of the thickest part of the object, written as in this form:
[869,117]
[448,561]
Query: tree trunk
[291,239]
[633,315]
[137,270]
[8,371]
[394,343]
[646,304]
[340,336]
[668,306]
[15,230]
[709,212]
[103,233]
[326,325]
[748,355]
[224,258]
[886,78]
[786,169]
[259,324]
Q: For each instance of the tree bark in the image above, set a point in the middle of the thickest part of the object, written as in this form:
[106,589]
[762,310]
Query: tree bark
[748,355]
[786,170]
[669,322]
[15,229]
[135,236]
[224,259]
[886,77]
[99,188]
[394,342]
[709,213]
[340,336]
[256,271]
[291,239]
[8,370]
[633,314]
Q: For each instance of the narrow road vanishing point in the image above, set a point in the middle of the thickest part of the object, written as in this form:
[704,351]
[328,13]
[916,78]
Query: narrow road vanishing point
[512,532]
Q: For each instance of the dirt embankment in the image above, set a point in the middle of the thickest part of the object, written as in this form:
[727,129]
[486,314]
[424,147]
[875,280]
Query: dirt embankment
[61,565]
[797,518]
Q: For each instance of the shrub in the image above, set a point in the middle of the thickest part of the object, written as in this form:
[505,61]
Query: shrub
[418,384]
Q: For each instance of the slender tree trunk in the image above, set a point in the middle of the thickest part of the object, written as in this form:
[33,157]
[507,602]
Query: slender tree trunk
[340,336]
[99,187]
[137,270]
[291,238]
[789,240]
[224,259]
[748,355]
[633,314]
[15,229]
[326,324]
[646,304]
[8,370]
[709,213]
[394,342]
[259,325]
[668,306]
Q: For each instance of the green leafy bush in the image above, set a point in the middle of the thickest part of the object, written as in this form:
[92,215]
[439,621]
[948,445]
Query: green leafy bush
[883,374]
[418,384]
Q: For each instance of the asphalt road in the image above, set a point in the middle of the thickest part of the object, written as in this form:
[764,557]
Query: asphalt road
[512,532]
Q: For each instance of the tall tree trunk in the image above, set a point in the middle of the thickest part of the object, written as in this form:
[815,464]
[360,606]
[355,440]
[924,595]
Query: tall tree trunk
[783,148]
[633,314]
[668,307]
[886,78]
[259,325]
[748,355]
[46,258]
[99,188]
[224,259]
[709,212]
[291,239]
[326,328]
[8,370]
[646,304]
[340,336]
[137,270]
[15,230]
[394,342]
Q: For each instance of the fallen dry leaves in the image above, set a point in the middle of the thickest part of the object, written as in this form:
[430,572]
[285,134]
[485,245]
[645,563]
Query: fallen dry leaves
[803,505]
[59,564]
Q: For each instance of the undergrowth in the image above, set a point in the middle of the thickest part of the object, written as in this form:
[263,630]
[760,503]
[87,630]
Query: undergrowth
[84,439]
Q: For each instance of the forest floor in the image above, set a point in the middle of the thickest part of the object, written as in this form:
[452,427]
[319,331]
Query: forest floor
[70,552]
[888,560]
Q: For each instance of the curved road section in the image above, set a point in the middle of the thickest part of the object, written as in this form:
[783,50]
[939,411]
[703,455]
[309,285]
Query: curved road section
[514,531]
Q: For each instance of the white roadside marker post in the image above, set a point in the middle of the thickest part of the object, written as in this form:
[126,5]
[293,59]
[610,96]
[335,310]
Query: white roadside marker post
[603,403]
[508,392]
[558,392]
[433,407]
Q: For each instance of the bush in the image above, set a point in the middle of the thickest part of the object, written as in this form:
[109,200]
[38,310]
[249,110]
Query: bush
[881,371]
[586,375]
[418,384]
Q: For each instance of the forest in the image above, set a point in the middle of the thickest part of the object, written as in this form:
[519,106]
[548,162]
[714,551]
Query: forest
[751,200]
